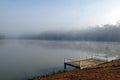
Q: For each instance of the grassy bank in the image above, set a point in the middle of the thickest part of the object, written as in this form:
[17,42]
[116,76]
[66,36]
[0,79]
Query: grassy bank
[107,71]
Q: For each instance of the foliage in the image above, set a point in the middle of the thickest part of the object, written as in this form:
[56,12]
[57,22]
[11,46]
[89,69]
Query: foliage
[104,33]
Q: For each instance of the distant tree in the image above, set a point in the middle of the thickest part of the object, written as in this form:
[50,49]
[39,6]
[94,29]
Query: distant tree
[106,32]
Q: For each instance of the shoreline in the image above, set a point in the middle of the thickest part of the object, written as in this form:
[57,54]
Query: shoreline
[106,71]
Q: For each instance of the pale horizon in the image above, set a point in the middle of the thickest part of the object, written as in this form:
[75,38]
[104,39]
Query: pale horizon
[36,16]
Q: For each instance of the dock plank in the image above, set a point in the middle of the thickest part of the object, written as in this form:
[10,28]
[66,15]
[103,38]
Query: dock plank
[84,63]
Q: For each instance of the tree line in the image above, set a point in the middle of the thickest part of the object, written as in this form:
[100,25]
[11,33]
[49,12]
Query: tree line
[104,33]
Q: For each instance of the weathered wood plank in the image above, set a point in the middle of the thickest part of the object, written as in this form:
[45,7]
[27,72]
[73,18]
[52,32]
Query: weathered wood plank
[84,63]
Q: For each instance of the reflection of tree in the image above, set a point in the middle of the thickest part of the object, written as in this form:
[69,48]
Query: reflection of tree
[2,37]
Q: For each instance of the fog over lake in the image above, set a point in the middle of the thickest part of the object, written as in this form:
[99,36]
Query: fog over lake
[20,59]
[36,35]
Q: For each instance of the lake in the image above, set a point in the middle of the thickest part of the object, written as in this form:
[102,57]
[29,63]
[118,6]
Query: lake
[20,59]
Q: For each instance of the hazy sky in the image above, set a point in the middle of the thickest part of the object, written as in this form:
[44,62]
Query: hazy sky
[29,16]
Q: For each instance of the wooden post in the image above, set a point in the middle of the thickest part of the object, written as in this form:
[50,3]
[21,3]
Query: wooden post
[65,66]
[79,63]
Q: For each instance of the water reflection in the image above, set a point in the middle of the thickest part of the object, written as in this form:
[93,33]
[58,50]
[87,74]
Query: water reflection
[26,58]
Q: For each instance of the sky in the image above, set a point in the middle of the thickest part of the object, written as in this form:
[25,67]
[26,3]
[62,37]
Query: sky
[36,16]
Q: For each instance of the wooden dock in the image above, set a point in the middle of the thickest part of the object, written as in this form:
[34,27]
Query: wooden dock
[80,64]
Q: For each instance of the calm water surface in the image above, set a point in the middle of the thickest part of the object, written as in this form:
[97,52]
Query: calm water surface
[20,59]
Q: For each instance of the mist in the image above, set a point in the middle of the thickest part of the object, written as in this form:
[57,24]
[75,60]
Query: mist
[99,33]
[39,16]
[36,36]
